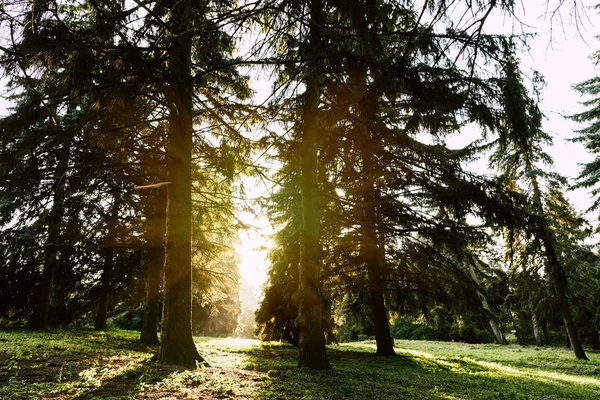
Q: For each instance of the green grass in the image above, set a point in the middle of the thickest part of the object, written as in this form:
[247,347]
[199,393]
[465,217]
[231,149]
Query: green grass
[80,364]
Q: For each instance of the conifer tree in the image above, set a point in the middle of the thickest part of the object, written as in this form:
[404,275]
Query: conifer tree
[127,91]
[519,156]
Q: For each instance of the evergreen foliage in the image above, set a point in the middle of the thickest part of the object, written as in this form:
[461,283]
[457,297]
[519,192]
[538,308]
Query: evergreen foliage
[129,131]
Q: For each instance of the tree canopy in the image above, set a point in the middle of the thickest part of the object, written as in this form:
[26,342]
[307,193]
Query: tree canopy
[132,127]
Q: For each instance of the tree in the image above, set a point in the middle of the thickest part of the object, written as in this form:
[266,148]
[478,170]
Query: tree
[397,83]
[518,155]
[310,319]
[156,221]
[116,63]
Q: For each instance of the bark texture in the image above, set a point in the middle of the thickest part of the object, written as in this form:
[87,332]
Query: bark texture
[177,345]
[312,353]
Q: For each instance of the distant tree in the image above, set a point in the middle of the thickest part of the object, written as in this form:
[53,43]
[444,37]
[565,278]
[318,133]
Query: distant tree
[519,156]
[156,224]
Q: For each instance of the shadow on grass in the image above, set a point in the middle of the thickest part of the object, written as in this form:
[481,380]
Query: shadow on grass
[84,364]
[128,383]
[361,375]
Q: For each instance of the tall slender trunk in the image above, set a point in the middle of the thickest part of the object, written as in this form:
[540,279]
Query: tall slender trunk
[500,339]
[177,345]
[536,326]
[108,255]
[595,338]
[39,318]
[373,251]
[156,261]
[559,279]
[312,353]
[374,258]
[557,273]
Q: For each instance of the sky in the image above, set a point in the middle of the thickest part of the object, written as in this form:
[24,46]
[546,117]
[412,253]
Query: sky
[563,55]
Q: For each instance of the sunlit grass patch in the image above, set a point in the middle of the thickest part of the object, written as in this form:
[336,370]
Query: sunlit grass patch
[430,370]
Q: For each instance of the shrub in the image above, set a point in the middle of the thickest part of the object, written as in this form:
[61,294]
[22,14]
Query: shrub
[404,328]
[129,320]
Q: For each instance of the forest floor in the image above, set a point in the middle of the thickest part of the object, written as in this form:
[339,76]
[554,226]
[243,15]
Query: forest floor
[82,364]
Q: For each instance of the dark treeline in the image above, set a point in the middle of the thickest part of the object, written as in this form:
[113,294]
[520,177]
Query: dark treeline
[131,126]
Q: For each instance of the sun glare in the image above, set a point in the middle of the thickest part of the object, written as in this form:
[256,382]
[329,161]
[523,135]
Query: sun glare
[253,257]
[253,249]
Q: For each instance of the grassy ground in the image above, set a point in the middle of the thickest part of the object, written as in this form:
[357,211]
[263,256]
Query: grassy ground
[112,365]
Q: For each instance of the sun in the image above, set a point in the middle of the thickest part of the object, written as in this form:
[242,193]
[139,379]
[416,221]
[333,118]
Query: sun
[253,250]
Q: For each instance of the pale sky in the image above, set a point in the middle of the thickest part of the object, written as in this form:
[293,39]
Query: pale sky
[562,55]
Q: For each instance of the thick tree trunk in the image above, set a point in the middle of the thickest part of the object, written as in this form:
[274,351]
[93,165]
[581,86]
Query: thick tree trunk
[156,261]
[39,318]
[108,253]
[177,345]
[312,353]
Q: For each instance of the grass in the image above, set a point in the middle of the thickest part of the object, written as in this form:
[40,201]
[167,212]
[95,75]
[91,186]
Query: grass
[80,364]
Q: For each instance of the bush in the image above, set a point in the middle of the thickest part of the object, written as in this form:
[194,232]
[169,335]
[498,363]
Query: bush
[404,328]
[469,333]
[129,320]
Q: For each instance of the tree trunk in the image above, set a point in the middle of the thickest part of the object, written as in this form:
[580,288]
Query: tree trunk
[312,353]
[39,318]
[156,261]
[595,339]
[500,339]
[383,338]
[108,254]
[177,345]
[559,279]
[365,95]
[572,332]
[536,327]
[372,254]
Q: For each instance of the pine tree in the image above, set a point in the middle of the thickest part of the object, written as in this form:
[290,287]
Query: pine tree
[519,155]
